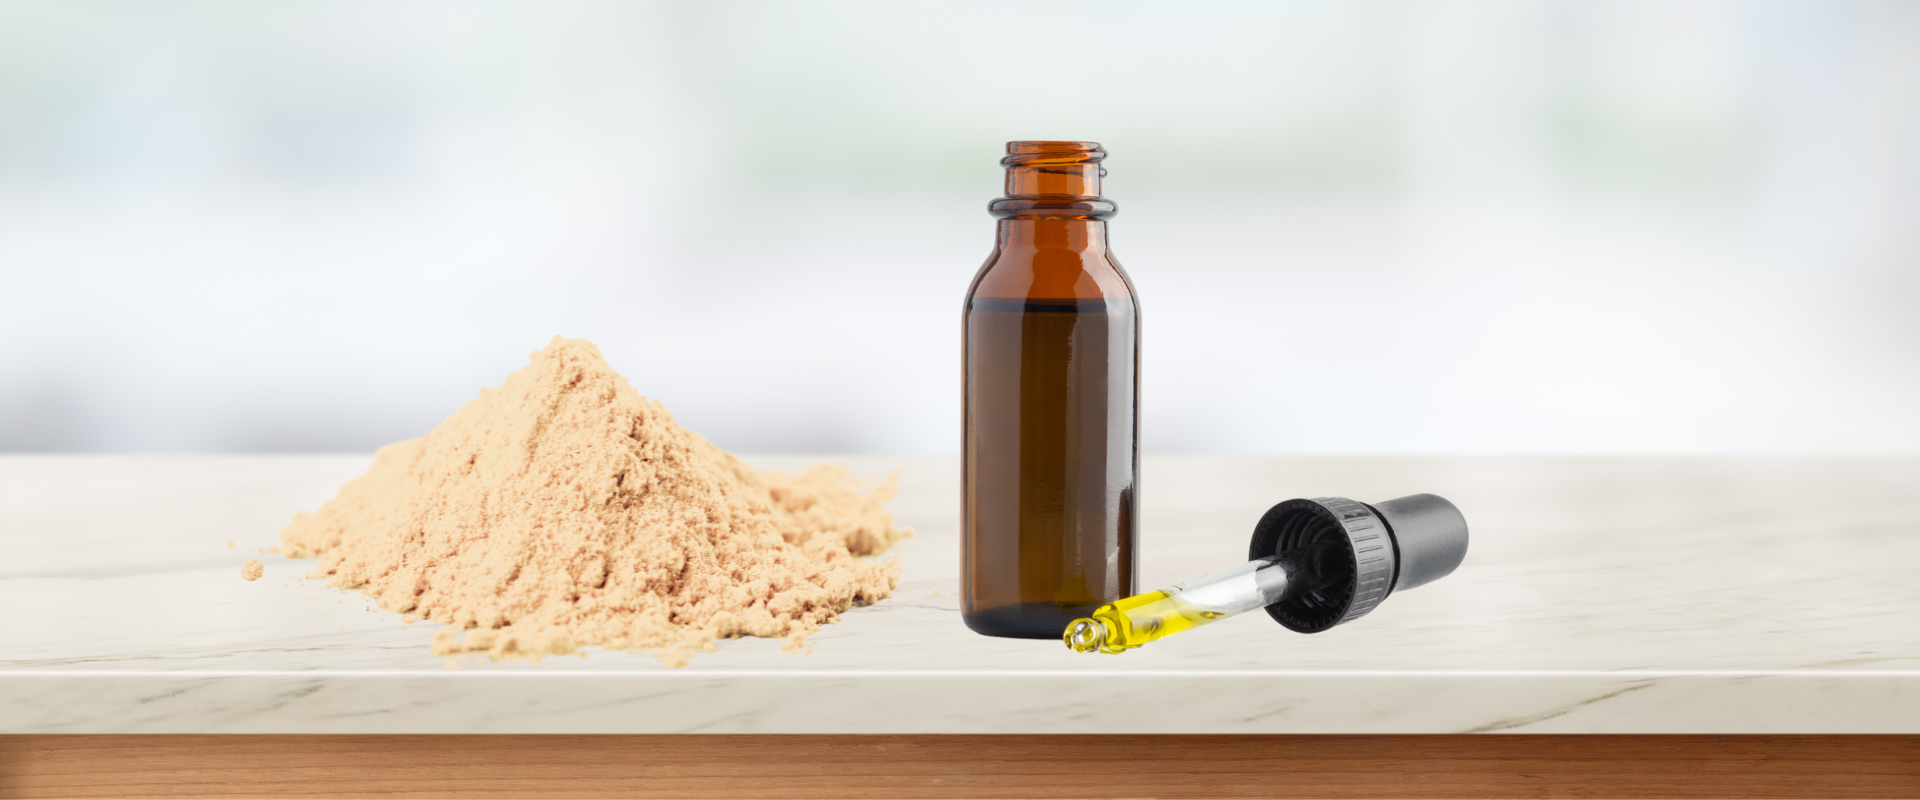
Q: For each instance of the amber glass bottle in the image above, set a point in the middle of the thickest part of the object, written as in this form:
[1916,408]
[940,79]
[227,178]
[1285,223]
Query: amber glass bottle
[1051,445]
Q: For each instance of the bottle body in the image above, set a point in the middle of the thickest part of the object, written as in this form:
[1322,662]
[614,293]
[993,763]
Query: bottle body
[1051,447]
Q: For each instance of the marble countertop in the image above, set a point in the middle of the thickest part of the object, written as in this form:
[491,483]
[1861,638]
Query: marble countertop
[1601,595]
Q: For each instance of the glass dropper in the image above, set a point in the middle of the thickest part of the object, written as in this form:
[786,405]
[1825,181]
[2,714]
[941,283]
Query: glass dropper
[1316,563]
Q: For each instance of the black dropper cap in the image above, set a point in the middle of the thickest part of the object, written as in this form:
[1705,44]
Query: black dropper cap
[1345,557]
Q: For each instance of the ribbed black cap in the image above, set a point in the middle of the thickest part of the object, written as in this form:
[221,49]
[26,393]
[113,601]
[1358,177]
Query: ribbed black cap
[1344,557]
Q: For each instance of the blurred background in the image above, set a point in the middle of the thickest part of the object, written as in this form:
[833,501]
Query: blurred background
[1395,227]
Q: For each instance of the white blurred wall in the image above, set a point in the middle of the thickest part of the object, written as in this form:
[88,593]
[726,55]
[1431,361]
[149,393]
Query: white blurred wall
[1355,226]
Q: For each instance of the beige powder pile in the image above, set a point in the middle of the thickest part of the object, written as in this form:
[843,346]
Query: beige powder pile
[563,510]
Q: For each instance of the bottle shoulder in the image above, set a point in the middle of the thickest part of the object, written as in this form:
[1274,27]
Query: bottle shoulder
[1016,274]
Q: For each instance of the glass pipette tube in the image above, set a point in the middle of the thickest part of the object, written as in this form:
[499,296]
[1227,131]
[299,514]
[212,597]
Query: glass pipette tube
[1124,624]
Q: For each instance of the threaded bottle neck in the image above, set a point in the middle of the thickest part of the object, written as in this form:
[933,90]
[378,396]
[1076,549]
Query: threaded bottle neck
[1053,169]
[1053,181]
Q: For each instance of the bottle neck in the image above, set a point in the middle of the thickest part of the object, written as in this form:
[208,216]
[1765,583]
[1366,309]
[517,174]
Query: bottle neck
[1053,176]
[1052,234]
[1074,234]
[1053,189]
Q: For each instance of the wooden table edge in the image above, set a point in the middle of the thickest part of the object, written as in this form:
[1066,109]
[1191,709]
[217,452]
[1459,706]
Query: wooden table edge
[961,766]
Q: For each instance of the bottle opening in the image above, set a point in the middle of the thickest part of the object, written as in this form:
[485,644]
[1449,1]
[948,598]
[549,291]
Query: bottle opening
[1057,148]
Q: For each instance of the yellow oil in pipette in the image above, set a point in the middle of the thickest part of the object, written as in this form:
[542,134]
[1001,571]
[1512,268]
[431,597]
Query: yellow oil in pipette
[1139,619]
[1125,624]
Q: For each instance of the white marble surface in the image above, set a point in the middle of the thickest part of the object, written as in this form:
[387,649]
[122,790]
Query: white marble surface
[1601,595]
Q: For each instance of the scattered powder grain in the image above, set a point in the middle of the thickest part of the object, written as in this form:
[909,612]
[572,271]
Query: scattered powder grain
[563,510]
[252,570]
